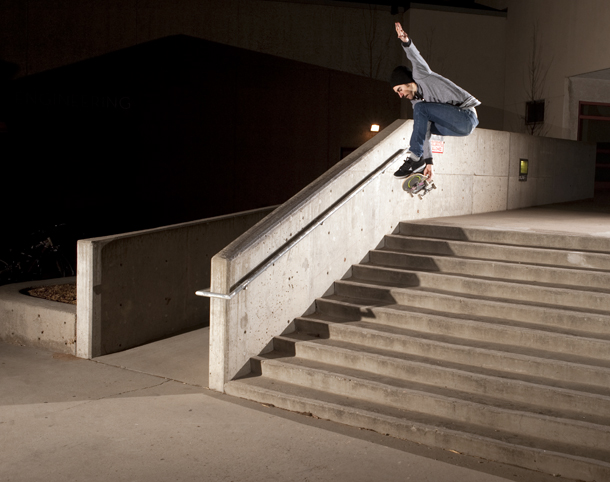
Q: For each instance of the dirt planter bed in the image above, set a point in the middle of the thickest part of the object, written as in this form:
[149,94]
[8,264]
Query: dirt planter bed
[64,293]
[39,322]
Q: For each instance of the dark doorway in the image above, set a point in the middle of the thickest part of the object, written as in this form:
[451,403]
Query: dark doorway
[594,126]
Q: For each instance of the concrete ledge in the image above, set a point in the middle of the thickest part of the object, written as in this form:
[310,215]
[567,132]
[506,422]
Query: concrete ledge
[136,288]
[36,322]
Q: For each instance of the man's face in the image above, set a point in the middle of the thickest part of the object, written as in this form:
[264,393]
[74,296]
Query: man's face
[406,90]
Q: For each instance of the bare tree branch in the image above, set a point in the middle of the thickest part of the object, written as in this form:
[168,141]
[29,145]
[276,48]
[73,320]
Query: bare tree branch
[535,84]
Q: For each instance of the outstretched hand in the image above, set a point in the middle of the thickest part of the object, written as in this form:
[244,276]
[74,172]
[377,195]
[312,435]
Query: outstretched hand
[402,35]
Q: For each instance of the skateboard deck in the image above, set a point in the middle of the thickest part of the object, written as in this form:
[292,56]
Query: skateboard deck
[418,184]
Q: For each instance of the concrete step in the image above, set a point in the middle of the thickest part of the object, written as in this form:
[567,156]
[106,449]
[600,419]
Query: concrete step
[560,276]
[543,338]
[508,417]
[533,453]
[494,344]
[499,252]
[493,389]
[489,288]
[571,372]
[562,241]
[574,323]
[439,301]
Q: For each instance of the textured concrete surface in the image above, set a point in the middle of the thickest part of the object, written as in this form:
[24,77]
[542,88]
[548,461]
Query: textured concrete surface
[528,360]
[134,288]
[35,321]
[145,414]
[187,363]
[64,418]
[588,217]
[469,177]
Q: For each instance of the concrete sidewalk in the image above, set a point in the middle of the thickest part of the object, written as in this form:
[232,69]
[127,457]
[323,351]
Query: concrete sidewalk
[582,218]
[141,415]
[146,415]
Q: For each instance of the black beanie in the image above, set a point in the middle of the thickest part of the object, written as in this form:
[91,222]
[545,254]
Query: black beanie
[401,75]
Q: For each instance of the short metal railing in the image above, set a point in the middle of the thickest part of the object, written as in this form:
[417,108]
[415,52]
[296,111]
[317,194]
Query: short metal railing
[318,221]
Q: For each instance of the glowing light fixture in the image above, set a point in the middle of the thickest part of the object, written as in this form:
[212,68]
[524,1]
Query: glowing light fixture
[375,128]
[523,169]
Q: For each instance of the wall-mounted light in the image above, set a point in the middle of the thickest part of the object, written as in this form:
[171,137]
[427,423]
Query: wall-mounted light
[523,168]
[375,128]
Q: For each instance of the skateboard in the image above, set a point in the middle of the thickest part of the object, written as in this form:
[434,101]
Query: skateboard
[418,184]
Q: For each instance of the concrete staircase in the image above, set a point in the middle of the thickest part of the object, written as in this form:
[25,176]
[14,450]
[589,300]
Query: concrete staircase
[489,343]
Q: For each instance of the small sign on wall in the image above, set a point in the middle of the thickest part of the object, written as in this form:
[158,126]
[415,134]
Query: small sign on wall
[438,147]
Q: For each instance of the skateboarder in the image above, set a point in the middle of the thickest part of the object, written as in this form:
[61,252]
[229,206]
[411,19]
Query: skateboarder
[439,107]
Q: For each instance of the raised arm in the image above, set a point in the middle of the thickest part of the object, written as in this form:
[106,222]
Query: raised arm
[420,66]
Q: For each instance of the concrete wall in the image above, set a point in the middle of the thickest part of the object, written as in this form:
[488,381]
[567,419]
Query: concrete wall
[476,174]
[29,321]
[139,287]
[551,165]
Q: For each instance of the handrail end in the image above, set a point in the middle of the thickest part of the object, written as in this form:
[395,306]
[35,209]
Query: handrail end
[210,294]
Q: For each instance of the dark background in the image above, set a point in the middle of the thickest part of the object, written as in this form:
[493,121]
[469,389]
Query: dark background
[172,130]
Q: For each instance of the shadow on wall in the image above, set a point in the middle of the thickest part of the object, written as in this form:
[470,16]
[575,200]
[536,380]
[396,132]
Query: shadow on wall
[174,130]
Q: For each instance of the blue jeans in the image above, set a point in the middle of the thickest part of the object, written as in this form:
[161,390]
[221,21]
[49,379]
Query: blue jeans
[444,119]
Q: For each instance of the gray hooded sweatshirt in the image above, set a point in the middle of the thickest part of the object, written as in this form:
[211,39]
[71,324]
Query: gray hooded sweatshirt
[433,87]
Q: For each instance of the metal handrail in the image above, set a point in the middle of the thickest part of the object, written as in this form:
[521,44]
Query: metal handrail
[318,221]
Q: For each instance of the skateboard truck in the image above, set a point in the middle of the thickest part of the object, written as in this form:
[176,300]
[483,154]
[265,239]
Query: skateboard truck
[418,184]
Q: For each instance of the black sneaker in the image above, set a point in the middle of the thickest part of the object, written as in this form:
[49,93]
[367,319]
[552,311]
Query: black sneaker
[410,167]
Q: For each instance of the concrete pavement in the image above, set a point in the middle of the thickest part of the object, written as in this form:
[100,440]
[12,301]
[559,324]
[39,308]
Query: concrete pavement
[146,414]
[589,217]
[112,419]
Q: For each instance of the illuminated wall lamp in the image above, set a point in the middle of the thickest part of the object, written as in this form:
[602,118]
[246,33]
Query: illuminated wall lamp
[523,169]
[375,128]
